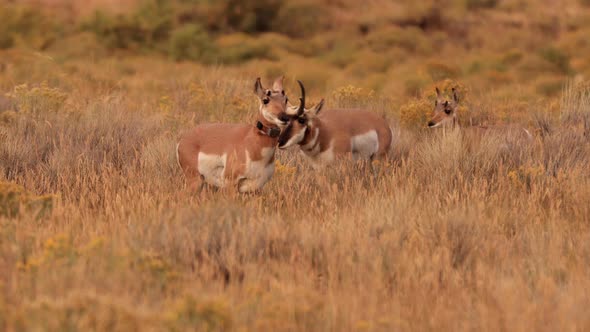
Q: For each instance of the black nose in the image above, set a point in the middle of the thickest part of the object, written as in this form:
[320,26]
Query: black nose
[431,124]
[284,117]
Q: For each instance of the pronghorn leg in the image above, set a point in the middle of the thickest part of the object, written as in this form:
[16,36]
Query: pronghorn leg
[374,169]
[202,186]
[196,184]
[247,187]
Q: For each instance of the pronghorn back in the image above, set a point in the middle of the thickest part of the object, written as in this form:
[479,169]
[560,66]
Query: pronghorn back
[204,151]
[356,123]
[338,132]
[240,155]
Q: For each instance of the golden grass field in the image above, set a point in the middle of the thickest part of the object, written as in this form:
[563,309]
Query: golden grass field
[459,230]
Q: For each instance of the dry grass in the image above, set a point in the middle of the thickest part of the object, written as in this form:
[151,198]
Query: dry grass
[458,231]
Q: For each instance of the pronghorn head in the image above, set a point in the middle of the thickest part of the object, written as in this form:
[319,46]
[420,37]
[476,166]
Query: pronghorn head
[273,102]
[300,123]
[445,111]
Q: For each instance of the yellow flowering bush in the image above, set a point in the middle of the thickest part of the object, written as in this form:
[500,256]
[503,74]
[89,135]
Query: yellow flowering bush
[156,265]
[14,199]
[56,250]
[523,177]
[350,94]
[208,316]
[198,95]
[165,104]
[38,99]
[417,112]
[284,169]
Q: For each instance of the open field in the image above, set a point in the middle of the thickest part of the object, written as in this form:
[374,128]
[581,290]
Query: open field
[459,230]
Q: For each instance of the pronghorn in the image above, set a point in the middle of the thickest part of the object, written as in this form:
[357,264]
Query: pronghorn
[241,155]
[445,114]
[322,137]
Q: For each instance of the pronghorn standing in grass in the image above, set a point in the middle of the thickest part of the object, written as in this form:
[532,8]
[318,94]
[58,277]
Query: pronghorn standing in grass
[322,137]
[240,155]
[445,111]
[445,115]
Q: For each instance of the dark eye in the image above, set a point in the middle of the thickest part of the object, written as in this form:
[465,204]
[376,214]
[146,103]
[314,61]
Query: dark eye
[268,93]
[301,120]
[448,111]
[266,100]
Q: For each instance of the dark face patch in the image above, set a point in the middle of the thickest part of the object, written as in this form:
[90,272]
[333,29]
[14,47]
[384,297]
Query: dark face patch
[443,111]
[286,134]
[295,126]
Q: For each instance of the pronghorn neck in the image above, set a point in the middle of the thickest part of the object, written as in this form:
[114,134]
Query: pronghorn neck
[267,128]
[311,140]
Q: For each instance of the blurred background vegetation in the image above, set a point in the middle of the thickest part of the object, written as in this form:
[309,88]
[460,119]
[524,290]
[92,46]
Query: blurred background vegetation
[522,50]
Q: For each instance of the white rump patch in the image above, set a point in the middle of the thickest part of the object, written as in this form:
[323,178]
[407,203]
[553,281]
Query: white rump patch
[365,145]
[212,167]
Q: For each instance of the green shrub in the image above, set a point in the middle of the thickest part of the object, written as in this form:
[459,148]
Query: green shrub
[191,42]
[238,48]
[27,24]
[341,53]
[479,4]
[249,16]
[147,27]
[511,57]
[550,86]
[298,19]
[439,71]
[557,58]
[411,39]
[115,31]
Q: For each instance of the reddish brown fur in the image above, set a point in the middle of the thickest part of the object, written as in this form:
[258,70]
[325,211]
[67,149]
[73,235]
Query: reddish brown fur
[212,138]
[236,141]
[338,126]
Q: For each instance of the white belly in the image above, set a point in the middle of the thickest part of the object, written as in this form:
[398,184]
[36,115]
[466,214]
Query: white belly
[257,172]
[364,146]
[212,168]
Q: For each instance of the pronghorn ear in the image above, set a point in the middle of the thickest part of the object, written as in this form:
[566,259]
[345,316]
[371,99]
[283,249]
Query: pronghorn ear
[318,107]
[455,96]
[258,89]
[437,92]
[278,85]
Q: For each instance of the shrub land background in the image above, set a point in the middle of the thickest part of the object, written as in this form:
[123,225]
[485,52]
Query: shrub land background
[458,231]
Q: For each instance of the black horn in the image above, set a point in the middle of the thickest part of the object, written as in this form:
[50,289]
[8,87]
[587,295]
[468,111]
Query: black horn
[301,108]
